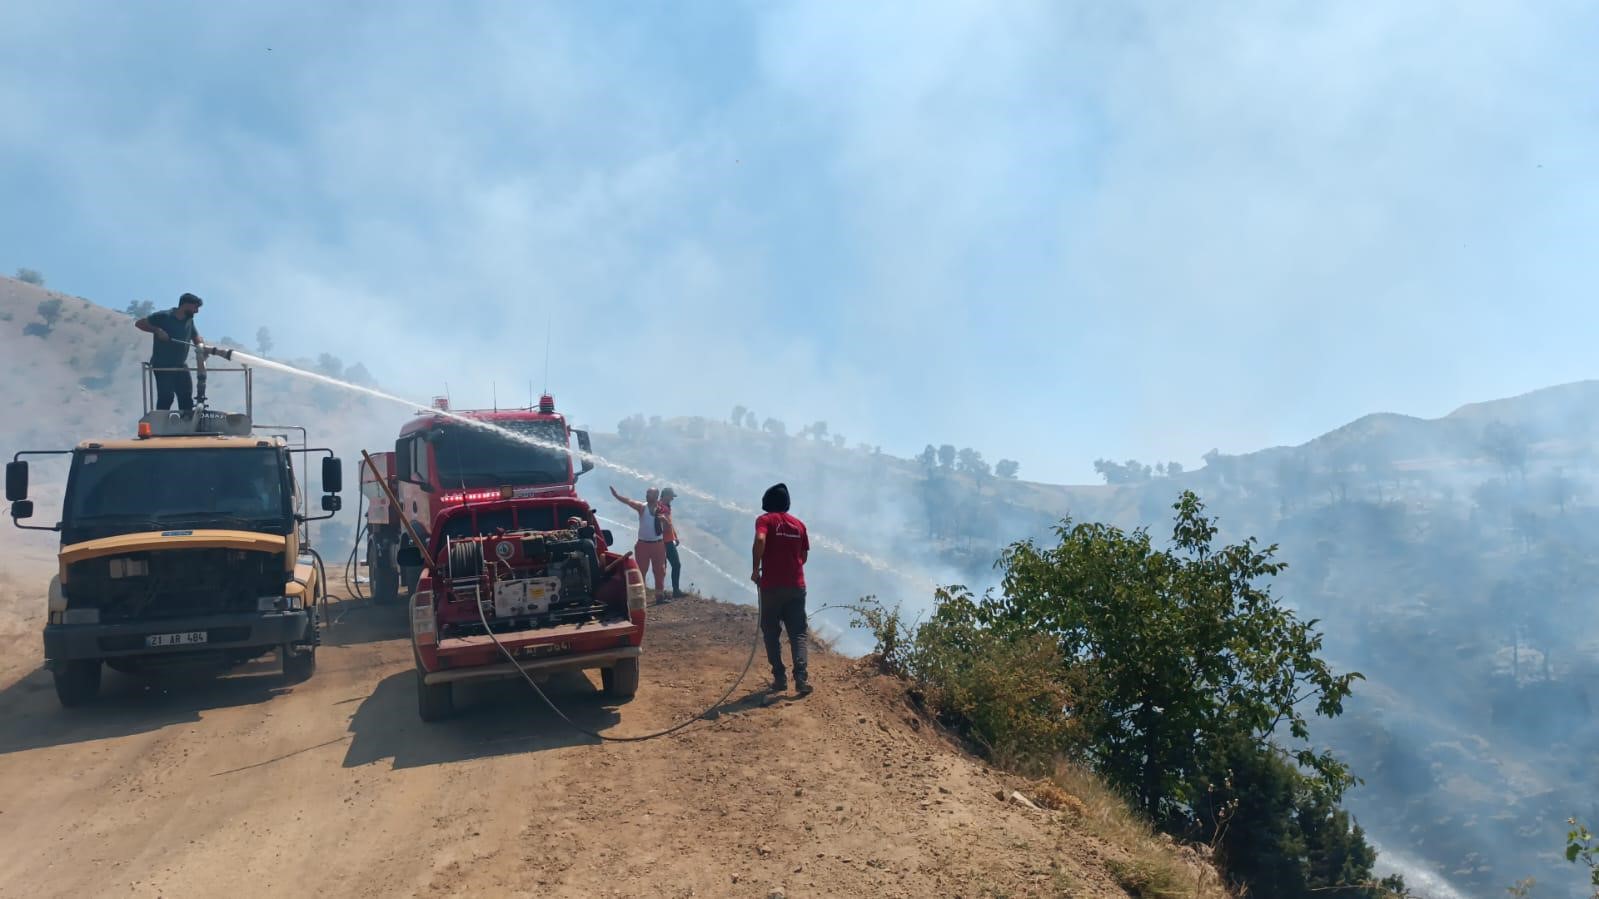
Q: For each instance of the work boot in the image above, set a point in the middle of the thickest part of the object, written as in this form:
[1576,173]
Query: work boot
[678,594]
[779,684]
[661,600]
[802,686]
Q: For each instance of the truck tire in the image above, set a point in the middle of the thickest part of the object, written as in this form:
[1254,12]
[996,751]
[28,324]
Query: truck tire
[434,702]
[77,681]
[385,580]
[620,681]
[299,663]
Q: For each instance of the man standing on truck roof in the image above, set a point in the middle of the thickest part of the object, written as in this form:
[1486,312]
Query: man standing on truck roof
[169,352]
[650,550]
[781,548]
[672,559]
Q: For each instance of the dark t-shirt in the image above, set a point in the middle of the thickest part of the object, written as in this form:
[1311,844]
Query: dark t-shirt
[172,353]
[787,544]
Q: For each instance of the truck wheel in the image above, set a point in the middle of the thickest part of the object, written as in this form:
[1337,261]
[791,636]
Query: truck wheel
[622,680]
[298,663]
[434,702]
[77,682]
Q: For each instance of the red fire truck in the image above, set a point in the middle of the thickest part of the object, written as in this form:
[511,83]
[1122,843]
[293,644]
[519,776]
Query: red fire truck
[522,583]
[445,459]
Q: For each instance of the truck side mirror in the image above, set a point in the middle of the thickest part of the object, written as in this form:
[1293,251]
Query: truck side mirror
[332,475]
[408,557]
[607,535]
[17,482]
[332,502]
[584,445]
[402,460]
[22,508]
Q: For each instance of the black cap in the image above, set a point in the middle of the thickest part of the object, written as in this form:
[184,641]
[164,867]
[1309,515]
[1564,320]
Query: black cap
[190,298]
[775,499]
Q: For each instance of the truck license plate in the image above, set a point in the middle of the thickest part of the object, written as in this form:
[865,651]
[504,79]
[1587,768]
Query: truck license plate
[185,639]
[541,649]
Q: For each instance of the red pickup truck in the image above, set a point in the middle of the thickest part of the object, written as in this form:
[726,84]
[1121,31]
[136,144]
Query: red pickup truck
[539,573]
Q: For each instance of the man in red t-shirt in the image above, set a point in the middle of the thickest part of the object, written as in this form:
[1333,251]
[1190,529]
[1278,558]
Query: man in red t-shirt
[781,548]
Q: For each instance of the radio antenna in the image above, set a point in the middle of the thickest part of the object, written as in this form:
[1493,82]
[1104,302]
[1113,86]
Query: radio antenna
[547,320]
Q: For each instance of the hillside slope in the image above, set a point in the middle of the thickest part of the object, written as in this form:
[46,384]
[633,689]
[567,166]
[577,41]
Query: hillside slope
[333,787]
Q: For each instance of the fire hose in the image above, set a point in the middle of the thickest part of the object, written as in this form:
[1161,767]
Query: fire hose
[708,714]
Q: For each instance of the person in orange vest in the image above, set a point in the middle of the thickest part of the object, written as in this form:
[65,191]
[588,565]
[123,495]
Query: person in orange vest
[672,560]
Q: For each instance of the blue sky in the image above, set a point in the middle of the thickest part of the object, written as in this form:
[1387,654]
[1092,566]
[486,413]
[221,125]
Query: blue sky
[1051,231]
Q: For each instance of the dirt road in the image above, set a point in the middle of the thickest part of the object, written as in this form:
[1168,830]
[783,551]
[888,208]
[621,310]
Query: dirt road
[246,786]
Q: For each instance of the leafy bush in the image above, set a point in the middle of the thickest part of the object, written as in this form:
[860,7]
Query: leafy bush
[888,631]
[50,311]
[1010,695]
[1168,671]
[29,276]
[1581,849]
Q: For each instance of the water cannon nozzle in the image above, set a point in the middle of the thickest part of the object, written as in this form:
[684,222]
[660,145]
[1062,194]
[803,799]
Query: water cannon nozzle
[224,352]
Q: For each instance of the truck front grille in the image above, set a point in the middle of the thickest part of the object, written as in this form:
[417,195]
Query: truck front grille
[153,585]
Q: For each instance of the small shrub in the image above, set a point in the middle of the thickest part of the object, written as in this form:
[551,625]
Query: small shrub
[29,276]
[887,630]
[1582,848]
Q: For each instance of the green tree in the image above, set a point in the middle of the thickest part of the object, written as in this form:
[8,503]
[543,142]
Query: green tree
[50,311]
[1277,834]
[1561,488]
[1506,446]
[1293,478]
[329,364]
[946,456]
[1187,646]
[263,340]
[1130,472]
[29,276]
[929,457]
[139,309]
[774,427]
[1007,469]
[738,416]
[1170,671]
[970,461]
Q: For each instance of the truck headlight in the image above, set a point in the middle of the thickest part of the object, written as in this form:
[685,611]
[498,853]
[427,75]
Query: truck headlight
[80,616]
[271,604]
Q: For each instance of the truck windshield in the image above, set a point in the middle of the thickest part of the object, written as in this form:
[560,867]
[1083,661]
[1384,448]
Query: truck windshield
[177,484]
[478,457]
